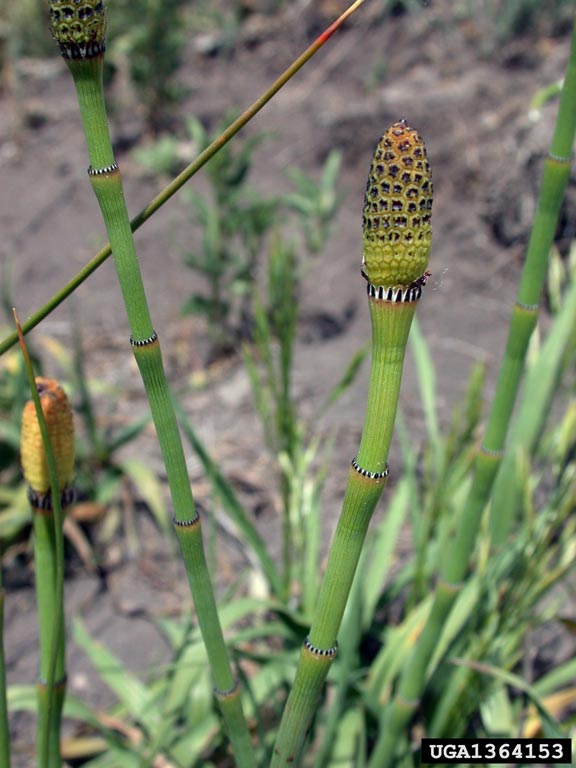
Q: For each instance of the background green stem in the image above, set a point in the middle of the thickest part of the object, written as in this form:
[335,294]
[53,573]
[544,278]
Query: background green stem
[456,555]
[525,313]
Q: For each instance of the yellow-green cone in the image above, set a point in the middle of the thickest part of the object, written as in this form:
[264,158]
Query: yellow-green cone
[60,423]
[396,222]
[79,27]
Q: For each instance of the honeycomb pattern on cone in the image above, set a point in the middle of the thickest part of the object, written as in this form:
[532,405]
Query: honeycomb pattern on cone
[59,420]
[79,27]
[397,215]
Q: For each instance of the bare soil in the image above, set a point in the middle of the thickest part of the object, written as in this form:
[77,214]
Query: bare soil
[466,94]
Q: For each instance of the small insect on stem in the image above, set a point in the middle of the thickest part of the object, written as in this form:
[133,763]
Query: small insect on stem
[421,281]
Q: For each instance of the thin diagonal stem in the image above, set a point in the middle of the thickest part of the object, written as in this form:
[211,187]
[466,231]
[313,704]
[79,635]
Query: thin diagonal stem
[49,568]
[177,183]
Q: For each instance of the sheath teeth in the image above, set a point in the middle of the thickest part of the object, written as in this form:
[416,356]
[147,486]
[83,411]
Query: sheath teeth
[368,474]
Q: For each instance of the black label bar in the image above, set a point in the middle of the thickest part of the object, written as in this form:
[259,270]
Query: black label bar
[504,751]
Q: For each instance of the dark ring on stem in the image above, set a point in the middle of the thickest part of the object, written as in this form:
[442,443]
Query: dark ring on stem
[224,694]
[42,500]
[559,158]
[409,704]
[395,294]
[527,307]
[187,523]
[328,653]
[57,683]
[368,474]
[144,342]
[496,453]
[451,586]
[101,171]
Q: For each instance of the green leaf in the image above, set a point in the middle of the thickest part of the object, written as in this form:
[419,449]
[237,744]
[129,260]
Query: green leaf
[149,489]
[550,727]
[204,735]
[382,548]
[348,378]
[349,748]
[557,678]
[498,715]
[16,514]
[115,757]
[399,642]
[201,305]
[137,699]
[426,382]
[128,433]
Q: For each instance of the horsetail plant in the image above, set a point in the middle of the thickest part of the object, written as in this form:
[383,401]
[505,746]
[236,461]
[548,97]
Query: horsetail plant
[459,548]
[397,235]
[47,454]
[79,31]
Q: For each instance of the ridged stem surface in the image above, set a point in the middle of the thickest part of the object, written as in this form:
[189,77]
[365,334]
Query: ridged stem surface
[107,184]
[390,327]
[51,685]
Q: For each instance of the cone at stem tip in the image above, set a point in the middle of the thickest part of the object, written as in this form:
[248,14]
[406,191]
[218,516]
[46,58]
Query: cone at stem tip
[397,214]
[59,420]
[79,27]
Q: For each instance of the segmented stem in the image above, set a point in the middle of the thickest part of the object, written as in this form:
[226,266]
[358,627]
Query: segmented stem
[107,184]
[401,259]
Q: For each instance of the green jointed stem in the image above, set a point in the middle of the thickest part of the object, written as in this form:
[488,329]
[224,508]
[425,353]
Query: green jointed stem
[537,394]
[525,314]
[390,328]
[177,183]
[106,181]
[392,324]
[397,237]
[456,558]
[52,673]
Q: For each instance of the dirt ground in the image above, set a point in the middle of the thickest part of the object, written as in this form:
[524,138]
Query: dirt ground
[470,99]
